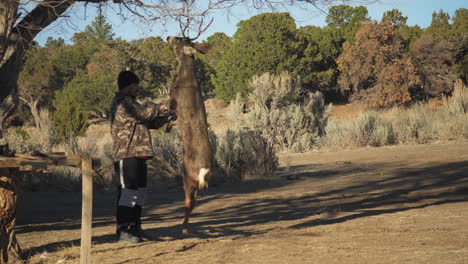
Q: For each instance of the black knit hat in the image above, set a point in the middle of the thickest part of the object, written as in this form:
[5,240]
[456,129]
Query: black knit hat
[126,78]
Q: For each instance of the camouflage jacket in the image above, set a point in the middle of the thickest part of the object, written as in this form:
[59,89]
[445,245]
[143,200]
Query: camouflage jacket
[129,132]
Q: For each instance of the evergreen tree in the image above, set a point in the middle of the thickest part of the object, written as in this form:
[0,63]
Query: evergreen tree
[395,18]
[69,119]
[100,30]
[38,81]
[460,40]
[318,50]
[154,62]
[347,18]
[440,25]
[207,64]
[263,43]
[93,95]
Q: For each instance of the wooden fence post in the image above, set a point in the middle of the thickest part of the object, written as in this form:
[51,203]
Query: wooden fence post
[87,210]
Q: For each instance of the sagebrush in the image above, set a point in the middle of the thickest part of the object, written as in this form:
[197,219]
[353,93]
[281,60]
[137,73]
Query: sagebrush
[285,117]
[417,124]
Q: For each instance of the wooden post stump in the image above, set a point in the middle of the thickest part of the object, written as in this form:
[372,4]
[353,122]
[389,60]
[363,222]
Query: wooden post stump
[9,247]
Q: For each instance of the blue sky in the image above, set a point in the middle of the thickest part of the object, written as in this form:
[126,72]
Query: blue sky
[419,12]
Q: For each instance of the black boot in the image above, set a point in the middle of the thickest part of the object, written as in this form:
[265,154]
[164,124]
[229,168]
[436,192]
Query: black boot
[144,236]
[128,234]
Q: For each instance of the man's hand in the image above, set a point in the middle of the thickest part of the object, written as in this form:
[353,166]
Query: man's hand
[163,109]
[172,117]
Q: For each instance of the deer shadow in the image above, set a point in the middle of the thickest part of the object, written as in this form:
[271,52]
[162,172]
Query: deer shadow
[405,189]
[371,194]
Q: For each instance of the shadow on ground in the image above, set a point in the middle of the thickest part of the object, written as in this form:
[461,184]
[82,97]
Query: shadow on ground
[369,193]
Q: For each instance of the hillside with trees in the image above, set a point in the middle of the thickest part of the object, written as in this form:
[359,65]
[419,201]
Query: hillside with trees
[380,63]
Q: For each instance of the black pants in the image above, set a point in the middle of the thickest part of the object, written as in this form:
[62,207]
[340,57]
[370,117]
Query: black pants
[131,176]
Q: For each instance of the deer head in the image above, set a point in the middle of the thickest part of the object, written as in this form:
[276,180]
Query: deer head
[185,47]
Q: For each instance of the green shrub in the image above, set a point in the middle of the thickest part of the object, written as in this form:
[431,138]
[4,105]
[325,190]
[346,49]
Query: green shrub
[285,121]
[94,95]
[69,119]
[245,155]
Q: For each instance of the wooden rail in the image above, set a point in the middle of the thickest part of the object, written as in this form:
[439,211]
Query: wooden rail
[46,162]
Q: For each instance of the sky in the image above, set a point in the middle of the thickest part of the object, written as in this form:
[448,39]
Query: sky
[419,12]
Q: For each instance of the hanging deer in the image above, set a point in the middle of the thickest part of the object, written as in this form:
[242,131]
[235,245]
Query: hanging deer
[186,102]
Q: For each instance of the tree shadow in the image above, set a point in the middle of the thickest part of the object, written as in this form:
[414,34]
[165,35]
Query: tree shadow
[370,194]
[406,189]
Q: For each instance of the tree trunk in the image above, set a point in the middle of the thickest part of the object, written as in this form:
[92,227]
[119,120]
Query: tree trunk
[35,113]
[15,38]
[9,248]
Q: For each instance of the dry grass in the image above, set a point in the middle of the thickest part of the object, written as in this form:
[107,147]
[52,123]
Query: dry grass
[418,124]
[347,111]
[368,129]
[167,164]
[96,144]
[245,155]
[238,155]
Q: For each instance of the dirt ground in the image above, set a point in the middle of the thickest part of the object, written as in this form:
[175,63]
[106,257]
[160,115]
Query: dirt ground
[402,204]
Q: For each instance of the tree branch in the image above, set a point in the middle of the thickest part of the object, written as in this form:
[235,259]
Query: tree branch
[43,15]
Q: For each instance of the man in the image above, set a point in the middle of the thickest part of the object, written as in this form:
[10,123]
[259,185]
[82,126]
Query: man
[132,147]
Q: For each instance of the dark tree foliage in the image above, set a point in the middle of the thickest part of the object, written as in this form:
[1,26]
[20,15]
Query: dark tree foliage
[409,34]
[375,69]
[460,40]
[69,119]
[93,94]
[395,18]
[433,61]
[153,61]
[207,64]
[263,43]
[347,18]
[38,81]
[318,50]
[440,25]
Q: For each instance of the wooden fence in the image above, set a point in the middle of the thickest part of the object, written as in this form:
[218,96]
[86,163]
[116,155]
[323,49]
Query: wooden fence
[46,162]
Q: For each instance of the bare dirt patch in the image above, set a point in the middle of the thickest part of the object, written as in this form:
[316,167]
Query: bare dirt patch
[402,204]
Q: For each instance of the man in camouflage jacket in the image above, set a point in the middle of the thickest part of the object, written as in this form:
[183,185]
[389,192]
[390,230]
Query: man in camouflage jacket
[132,147]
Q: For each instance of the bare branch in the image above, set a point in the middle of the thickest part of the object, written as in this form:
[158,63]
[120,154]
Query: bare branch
[201,31]
[191,15]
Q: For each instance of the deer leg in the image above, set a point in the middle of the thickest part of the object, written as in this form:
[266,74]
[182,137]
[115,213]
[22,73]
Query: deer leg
[190,199]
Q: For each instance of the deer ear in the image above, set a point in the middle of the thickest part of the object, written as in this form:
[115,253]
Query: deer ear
[189,51]
[170,40]
[203,48]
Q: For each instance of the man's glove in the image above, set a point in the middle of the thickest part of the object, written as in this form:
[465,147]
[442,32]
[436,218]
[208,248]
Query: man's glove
[171,117]
[163,117]
[168,115]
